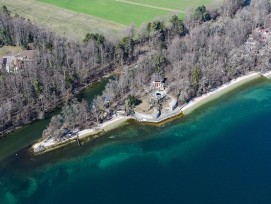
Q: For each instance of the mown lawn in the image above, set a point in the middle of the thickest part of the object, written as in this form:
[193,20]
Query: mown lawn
[125,12]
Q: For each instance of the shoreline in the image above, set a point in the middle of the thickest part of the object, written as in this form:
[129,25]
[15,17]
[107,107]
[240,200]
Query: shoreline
[105,127]
[117,121]
[220,91]
[47,145]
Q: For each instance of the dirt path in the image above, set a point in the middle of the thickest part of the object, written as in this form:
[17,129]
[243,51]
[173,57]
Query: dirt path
[150,6]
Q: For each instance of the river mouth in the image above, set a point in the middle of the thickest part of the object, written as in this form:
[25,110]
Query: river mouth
[29,134]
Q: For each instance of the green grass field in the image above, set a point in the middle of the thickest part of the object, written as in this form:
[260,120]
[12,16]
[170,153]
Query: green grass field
[65,22]
[127,12]
[75,18]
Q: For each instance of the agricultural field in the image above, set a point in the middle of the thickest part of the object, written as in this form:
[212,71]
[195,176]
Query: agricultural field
[127,11]
[75,18]
[65,22]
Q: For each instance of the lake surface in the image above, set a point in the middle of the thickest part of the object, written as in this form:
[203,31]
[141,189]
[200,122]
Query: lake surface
[219,154]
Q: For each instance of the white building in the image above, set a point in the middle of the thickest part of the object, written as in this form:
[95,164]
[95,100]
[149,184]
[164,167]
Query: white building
[158,82]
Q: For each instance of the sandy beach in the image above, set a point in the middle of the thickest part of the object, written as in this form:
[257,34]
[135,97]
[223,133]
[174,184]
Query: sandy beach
[104,127]
[267,75]
[51,144]
[216,93]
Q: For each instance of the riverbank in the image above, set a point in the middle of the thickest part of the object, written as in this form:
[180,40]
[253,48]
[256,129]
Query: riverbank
[118,120]
[107,72]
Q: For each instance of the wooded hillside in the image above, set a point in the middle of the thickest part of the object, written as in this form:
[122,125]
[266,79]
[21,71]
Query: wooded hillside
[196,55]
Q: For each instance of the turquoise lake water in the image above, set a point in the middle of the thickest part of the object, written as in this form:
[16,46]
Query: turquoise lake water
[219,154]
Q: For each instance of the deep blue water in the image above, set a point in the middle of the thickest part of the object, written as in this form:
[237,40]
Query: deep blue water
[219,154]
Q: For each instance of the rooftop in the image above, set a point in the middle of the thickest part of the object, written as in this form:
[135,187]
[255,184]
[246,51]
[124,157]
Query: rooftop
[29,54]
[157,78]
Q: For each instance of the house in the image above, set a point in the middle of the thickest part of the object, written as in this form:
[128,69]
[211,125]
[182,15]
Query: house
[17,62]
[158,82]
[8,63]
[27,55]
[23,58]
[264,34]
[259,41]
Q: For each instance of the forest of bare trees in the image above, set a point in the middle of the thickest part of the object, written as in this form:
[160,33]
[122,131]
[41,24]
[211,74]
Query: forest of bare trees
[196,55]
[60,68]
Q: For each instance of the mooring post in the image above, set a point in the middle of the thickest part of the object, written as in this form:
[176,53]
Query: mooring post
[78,140]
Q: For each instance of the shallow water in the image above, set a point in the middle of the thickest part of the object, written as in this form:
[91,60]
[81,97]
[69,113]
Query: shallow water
[219,154]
